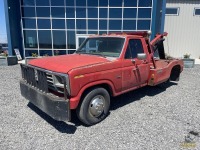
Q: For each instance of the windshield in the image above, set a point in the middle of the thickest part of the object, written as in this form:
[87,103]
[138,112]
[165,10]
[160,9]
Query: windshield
[104,46]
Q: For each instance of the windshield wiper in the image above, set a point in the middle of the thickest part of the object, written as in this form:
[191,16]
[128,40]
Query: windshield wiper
[99,54]
[78,52]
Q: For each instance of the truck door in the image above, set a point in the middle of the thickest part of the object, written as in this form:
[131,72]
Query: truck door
[135,72]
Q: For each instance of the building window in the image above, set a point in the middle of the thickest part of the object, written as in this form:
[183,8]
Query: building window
[103,12]
[81,3]
[80,13]
[172,11]
[58,12]
[81,32]
[144,13]
[59,39]
[71,43]
[42,3]
[130,3]
[30,40]
[93,3]
[43,23]
[44,37]
[70,24]
[146,3]
[103,3]
[196,11]
[28,12]
[58,23]
[115,24]
[115,3]
[115,13]
[102,24]
[92,32]
[143,24]
[28,2]
[51,25]
[130,12]
[129,24]
[92,13]
[69,2]
[59,52]
[45,53]
[29,23]
[70,13]
[92,24]
[81,24]
[43,12]
[29,52]
[57,3]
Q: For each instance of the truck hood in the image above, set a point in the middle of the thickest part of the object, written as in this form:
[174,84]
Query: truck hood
[65,63]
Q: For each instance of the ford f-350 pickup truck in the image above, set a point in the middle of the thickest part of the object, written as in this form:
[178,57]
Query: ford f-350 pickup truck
[102,67]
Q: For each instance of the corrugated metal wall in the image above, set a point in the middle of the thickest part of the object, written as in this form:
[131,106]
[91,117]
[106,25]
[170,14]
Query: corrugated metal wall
[184,29]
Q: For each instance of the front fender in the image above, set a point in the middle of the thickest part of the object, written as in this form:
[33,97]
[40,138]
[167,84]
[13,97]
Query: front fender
[74,101]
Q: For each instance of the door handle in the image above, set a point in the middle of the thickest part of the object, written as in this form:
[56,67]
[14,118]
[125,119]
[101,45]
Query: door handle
[136,68]
[118,77]
[133,61]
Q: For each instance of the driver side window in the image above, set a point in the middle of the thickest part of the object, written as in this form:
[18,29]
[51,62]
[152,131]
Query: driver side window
[134,47]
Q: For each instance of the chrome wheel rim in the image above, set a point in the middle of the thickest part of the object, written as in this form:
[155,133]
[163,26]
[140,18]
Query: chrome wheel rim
[96,106]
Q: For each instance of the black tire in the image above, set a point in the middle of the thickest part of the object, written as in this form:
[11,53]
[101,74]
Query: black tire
[85,109]
[175,73]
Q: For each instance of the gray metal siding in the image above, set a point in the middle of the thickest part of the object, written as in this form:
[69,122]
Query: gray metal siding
[184,29]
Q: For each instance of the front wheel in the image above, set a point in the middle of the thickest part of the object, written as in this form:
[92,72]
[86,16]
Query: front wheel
[94,107]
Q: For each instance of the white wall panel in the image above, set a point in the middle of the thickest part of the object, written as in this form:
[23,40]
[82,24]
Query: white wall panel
[184,29]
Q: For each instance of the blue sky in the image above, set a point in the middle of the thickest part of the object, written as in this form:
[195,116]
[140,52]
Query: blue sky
[2,22]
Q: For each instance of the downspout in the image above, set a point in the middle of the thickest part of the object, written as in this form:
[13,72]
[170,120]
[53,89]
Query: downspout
[163,16]
[153,26]
[6,8]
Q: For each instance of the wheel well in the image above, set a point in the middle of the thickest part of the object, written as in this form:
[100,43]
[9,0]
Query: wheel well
[175,73]
[105,86]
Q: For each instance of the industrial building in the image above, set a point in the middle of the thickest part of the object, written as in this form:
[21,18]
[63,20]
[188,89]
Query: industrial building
[48,27]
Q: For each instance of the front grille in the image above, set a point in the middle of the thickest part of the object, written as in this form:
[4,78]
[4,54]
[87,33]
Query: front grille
[51,85]
[34,77]
[40,79]
[50,82]
[50,79]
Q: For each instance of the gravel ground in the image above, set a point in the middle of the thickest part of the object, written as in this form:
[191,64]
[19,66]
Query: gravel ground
[148,118]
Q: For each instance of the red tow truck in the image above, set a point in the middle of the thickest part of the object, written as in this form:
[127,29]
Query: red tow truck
[104,66]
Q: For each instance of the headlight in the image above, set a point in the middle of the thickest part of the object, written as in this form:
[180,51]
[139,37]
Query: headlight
[59,81]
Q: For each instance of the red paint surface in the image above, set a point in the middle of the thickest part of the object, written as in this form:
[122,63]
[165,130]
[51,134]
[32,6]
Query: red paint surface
[65,63]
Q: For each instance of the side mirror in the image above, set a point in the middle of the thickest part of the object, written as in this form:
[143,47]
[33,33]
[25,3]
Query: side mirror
[141,56]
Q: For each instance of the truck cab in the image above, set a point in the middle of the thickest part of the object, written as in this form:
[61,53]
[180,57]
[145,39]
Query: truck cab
[102,67]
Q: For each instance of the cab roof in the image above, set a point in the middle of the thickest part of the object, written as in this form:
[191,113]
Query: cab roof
[125,34]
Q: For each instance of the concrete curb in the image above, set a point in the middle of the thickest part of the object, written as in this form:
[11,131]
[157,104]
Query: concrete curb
[197,61]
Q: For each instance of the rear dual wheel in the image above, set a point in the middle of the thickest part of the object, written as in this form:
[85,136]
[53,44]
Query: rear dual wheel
[94,106]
